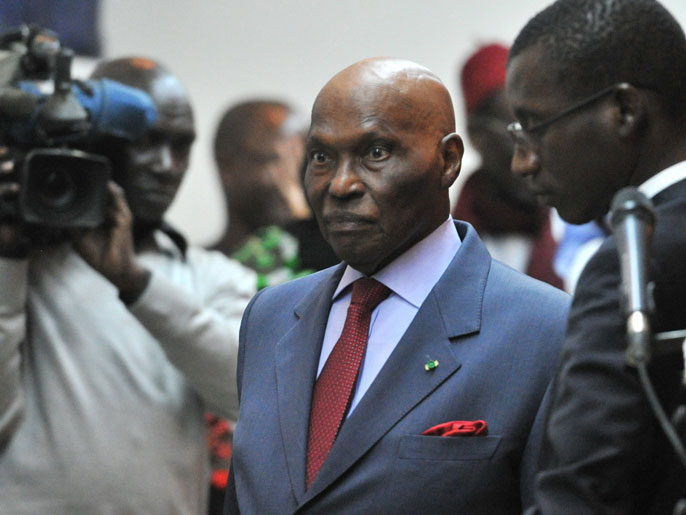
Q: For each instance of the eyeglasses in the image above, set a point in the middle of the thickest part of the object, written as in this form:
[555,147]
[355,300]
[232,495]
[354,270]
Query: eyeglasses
[525,139]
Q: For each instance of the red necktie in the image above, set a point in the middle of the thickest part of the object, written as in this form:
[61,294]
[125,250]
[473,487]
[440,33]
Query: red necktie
[333,390]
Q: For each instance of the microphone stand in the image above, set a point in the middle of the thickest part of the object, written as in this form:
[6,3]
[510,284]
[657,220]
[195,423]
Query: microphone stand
[667,426]
[669,341]
[633,220]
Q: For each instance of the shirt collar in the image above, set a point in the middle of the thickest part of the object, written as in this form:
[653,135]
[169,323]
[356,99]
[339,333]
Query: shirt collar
[663,180]
[167,243]
[409,275]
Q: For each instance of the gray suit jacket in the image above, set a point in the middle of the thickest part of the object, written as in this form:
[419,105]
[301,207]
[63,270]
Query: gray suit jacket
[496,334]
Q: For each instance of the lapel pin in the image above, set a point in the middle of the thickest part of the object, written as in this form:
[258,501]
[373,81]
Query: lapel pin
[430,365]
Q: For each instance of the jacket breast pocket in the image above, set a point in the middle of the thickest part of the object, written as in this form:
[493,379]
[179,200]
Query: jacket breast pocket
[448,475]
[416,447]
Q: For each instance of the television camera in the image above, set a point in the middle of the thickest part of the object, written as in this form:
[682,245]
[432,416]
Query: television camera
[49,121]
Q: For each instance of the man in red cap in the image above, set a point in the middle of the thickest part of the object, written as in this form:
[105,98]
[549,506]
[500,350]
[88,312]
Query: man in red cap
[500,206]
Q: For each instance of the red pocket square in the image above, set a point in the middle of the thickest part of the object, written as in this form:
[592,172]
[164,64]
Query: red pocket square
[459,428]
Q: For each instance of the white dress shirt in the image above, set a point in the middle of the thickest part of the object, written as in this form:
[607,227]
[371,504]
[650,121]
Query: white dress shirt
[410,277]
[663,180]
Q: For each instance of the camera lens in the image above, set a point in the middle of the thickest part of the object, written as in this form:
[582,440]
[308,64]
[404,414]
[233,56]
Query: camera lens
[58,189]
[63,188]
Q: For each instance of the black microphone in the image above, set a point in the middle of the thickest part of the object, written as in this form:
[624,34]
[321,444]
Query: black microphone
[633,219]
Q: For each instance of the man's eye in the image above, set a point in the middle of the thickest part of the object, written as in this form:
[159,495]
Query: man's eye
[182,147]
[377,153]
[319,157]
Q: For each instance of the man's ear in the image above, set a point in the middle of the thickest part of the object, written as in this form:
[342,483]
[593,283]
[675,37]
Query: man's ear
[630,109]
[452,149]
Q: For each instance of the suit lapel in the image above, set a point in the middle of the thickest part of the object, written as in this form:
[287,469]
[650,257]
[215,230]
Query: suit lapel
[452,309]
[297,357]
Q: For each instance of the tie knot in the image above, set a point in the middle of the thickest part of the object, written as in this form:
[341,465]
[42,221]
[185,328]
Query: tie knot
[368,293]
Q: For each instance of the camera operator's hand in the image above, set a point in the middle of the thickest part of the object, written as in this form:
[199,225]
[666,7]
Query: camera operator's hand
[110,250]
[14,242]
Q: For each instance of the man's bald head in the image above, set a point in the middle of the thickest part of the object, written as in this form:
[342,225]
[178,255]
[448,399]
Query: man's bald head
[407,86]
[244,127]
[382,154]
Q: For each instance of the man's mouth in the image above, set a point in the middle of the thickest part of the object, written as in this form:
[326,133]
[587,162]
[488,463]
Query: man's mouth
[346,221]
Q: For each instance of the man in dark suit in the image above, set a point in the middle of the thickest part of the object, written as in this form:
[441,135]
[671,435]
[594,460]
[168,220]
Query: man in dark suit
[598,89]
[456,340]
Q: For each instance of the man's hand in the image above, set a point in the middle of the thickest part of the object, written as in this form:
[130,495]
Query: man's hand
[14,242]
[110,250]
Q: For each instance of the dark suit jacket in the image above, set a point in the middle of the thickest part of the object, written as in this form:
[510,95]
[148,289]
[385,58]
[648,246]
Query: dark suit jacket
[604,452]
[496,335]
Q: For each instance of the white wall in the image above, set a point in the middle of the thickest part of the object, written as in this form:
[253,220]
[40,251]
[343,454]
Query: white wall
[225,51]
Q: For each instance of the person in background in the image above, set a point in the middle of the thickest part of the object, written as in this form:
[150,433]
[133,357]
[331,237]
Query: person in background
[411,377]
[123,335]
[597,88]
[258,148]
[515,228]
[259,151]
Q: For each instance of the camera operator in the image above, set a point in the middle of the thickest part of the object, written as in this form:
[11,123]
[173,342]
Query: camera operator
[126,337]
[598,90]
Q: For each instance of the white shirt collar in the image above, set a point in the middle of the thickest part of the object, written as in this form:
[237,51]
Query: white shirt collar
[663,180]
[414,273]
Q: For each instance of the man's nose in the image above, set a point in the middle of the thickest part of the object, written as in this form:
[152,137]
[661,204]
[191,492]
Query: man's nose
[525,161]
[164,158]
[346,181]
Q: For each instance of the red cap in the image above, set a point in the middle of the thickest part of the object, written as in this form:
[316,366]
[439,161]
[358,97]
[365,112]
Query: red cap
[482,74]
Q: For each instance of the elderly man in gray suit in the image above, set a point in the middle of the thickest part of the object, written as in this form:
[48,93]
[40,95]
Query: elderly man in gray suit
[411,377]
